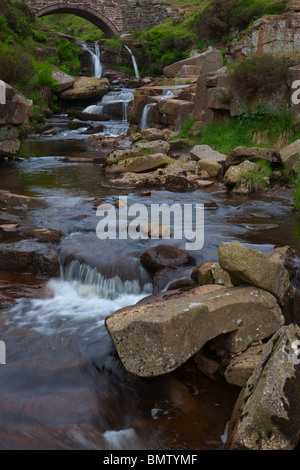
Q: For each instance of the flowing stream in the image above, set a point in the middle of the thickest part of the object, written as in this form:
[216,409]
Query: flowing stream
[63,386]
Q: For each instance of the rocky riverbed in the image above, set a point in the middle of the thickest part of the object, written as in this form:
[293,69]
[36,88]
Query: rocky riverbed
[141,339]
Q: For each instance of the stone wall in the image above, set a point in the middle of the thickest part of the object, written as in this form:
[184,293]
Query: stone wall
[144,14]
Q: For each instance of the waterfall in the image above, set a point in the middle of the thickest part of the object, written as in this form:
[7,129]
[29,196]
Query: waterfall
[167,94]
[136,70]
[90,282]
[177,126]
[96,58]
[80,294]
[144,118]
[113,97]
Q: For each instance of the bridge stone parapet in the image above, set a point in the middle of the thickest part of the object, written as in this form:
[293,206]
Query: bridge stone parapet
[111,16]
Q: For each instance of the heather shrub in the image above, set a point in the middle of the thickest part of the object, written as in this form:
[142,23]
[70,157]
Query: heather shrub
[14,59]
[220,16]
[261,74]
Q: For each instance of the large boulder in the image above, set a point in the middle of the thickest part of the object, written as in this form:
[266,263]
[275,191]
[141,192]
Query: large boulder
[86,88]
[267,414]
[141,164]
[62,80]
[156,338]
[205,152]
[290,155]
[208,61]
[252,267]
[17,108]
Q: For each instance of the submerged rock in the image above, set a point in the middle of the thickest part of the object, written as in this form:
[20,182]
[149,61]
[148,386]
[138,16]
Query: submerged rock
[267,414]
[162,256]
[44,235]
[245,265]
[8,199]
[156,338]
[29,257]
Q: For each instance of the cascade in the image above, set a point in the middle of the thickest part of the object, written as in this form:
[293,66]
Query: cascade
[136,70]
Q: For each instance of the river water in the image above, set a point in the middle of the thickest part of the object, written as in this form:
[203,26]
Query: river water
[63,386]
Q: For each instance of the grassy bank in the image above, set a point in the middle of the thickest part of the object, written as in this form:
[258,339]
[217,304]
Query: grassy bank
[29,52]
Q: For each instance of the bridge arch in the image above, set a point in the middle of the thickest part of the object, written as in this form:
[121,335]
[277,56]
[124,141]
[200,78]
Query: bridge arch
[94,16]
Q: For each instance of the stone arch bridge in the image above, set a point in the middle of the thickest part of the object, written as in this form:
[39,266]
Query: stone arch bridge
[111,16]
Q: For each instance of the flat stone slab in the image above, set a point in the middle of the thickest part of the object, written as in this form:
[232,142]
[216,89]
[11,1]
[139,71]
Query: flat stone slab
[8,199]
[156,338]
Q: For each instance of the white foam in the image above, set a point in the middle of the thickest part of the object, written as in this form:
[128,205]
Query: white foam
[121,440]
[71,303]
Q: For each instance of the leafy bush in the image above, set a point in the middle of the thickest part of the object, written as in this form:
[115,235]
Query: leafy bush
[245,115]
[261,74]
[68,54]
